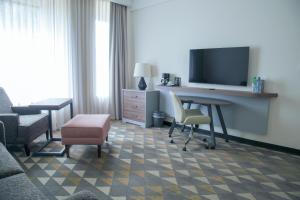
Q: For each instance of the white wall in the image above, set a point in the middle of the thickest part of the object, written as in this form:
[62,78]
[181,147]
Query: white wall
[163,31]
[123,2]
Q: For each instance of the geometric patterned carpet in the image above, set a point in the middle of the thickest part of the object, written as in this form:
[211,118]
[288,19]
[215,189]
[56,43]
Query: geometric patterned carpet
[140,163]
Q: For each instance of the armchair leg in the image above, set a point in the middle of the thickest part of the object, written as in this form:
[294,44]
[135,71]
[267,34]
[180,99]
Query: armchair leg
[47,135]
[27,150]
[189,137]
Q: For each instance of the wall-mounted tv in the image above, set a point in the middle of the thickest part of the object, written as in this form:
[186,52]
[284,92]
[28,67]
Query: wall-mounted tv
[226,66]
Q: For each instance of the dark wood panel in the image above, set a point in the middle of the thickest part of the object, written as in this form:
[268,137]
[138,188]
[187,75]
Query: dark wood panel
[219,92]
[134,95]
[134,106]
[137,116]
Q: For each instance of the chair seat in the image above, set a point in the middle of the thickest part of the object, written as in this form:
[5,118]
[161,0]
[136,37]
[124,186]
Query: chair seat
[196,120]
[191,112]
[31,126]
[195,116]
[29,120]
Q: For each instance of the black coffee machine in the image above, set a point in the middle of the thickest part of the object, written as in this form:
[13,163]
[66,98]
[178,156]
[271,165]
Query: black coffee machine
[165,78]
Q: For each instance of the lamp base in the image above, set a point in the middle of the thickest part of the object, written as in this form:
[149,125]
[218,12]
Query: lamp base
[142,84]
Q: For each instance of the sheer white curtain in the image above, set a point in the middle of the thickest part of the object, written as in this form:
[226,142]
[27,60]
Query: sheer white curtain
[34,49]
[89,36]
[56,48]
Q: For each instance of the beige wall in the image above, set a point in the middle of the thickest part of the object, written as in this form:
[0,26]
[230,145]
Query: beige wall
[164,31]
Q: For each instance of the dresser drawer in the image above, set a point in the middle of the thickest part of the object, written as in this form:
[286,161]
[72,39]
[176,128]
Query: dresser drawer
[137,115]
[134,105]
[133,95]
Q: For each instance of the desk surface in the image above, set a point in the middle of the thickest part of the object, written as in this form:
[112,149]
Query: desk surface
[238,93]
[204,100]
[51,104]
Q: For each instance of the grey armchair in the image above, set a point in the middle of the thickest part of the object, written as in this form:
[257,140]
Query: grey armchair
[22,124]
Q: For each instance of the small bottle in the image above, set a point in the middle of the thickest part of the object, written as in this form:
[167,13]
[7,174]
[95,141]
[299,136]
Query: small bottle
[258,82]
[254,83]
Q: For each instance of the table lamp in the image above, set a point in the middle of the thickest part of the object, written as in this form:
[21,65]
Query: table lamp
[142,70]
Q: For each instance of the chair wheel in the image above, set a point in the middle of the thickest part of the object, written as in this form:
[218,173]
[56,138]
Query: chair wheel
[204,139]
[170,136]
[226,140]
[172,142]
[184,149]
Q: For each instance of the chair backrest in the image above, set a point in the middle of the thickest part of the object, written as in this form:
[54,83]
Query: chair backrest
[178,108]
[5,103]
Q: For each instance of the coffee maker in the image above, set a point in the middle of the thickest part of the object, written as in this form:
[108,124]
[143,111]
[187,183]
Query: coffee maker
[165,78]
[177,81]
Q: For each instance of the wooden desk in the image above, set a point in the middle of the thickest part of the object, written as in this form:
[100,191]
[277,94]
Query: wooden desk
[224,92]
[53,104]
[209,102]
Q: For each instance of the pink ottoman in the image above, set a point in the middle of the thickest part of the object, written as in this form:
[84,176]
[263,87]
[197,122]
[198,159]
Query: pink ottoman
[86,129]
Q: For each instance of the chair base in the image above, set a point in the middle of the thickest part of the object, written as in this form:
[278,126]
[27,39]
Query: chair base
[211,144]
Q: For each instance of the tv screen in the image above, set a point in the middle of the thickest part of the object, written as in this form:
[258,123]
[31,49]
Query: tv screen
[226,66]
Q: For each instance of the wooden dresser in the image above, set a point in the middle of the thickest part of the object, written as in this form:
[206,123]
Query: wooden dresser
[138,106]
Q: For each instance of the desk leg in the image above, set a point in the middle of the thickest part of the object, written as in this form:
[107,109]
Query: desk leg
[50,123]
[71,110]
[212,141]
[222,122]
[171,130]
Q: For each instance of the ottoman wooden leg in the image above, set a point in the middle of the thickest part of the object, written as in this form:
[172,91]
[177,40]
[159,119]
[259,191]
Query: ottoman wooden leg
[68,150]
[99,151]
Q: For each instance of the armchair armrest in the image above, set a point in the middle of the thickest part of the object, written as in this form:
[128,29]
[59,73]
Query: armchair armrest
[83,195]
[11,123]
[2,131]
[25,110]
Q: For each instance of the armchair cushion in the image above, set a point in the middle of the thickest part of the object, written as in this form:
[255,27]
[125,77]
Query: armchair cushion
[83,195]
[8,164]
[25,110]
[31,126]
[19,187]
[11,122]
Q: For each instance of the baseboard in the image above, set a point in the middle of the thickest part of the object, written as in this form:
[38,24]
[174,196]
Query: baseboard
[250,142]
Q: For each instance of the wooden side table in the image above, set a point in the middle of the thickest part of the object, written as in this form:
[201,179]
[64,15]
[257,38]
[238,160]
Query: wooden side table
[51,105]
[139,105]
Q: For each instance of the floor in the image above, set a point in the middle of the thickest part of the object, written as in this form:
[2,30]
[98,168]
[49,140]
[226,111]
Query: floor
[140,163]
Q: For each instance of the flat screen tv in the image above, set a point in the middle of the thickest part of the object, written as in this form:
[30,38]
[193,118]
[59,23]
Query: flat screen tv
[226,66]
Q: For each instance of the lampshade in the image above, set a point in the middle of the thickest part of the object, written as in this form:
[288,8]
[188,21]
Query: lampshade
[142,70]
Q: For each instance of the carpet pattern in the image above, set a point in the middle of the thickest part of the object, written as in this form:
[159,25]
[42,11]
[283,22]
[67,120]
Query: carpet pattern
[140,163]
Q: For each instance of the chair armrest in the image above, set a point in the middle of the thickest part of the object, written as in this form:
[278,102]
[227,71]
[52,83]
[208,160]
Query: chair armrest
[188,102]
[25,110]
[11,123]
[2,133]
[83,195]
